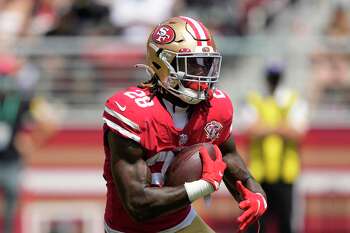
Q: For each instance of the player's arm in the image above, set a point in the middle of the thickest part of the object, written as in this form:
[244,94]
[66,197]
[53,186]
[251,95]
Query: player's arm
[243,187]
[130,172]
[237,170]
[43,124]
[143,202]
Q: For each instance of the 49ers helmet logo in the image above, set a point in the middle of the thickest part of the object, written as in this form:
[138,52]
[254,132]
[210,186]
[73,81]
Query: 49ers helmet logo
[163,34]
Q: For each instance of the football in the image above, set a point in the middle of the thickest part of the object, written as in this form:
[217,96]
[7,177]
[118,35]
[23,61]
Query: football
[187,165]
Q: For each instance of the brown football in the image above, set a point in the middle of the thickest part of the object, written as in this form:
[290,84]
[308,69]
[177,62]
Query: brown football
[187,165]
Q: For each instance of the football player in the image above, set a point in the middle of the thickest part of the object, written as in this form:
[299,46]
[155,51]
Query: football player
[177,107]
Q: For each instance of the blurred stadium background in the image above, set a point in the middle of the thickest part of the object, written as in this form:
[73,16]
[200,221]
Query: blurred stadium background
[76,53]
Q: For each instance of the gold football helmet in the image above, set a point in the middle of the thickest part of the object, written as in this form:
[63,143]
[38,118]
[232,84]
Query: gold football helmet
[182,54]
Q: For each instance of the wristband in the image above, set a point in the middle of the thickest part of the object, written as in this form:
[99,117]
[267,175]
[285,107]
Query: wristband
[198,189]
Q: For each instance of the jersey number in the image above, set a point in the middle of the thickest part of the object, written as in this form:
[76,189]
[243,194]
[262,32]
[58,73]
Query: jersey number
[140,97]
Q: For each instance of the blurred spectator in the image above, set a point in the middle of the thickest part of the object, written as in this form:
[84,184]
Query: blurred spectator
[135,18]
[229,17]
[46,15]
[257,15]
[16,110]
[85,17]
[339,25]
[330,65]
[276,122]
[218,15]
[14,16]
[54,17]
[24,18]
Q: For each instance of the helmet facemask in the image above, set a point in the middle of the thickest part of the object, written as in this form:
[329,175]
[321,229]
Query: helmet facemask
[192,76]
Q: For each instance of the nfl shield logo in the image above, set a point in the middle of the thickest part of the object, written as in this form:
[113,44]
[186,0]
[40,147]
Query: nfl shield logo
[212,129]
[183,138]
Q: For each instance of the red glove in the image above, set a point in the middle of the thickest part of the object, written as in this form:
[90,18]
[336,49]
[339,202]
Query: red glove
[213,170]
[254,205]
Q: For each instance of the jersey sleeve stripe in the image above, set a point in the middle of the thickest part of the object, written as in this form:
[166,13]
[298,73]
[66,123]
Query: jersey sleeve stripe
[122,131]
[122,118]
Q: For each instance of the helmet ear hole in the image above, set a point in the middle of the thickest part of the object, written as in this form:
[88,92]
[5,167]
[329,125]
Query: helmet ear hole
[174,64]
[156,65]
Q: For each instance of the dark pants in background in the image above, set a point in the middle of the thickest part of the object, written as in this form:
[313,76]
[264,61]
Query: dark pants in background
[10,172]
[279,210]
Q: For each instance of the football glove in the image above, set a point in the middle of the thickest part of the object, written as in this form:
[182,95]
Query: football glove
[254,206]
[213,170]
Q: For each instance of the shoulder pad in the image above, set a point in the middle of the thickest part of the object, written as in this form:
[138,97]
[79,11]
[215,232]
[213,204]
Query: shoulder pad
[127,111]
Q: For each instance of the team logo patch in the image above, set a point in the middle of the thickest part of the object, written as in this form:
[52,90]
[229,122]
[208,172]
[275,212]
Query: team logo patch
[163,34]
[212,129]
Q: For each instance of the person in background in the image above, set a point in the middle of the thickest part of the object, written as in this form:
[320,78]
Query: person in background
[146,14]
[16,111]
[330,75]
[276,122]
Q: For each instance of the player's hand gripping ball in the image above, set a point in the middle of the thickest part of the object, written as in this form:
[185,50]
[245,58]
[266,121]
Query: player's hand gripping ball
[200,161]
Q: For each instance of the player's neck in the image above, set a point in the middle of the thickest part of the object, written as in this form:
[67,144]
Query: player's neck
[175,100]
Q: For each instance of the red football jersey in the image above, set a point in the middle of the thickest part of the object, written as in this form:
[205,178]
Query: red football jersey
[130,113]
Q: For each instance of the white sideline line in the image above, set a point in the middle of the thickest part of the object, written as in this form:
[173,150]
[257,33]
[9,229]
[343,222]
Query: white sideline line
[64,181]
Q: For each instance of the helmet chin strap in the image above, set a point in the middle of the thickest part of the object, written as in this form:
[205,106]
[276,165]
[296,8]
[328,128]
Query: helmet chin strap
[173,98]
[183,97]
[192,101]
